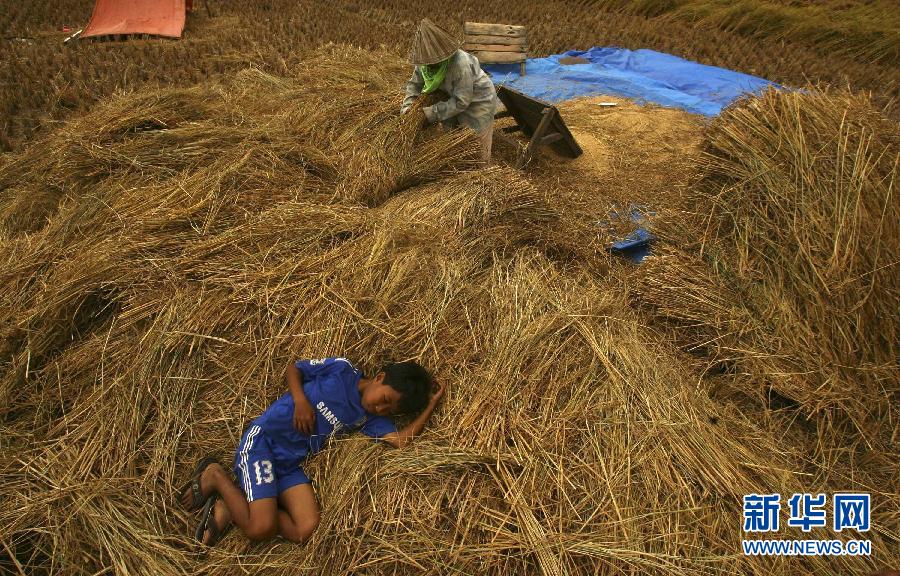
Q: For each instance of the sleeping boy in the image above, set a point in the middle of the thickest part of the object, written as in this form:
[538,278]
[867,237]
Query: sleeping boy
[326,398]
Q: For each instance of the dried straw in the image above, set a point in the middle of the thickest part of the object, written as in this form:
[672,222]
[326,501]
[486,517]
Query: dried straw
[182,246]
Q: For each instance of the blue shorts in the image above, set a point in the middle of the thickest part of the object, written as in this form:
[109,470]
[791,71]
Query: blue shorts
[259,474]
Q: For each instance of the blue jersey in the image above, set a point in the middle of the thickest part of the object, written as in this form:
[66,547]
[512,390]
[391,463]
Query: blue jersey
[332,387]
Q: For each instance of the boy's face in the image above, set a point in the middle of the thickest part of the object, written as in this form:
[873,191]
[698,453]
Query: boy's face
[379,398]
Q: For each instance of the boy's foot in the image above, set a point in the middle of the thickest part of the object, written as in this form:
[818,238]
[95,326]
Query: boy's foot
[201,485]
[218,524]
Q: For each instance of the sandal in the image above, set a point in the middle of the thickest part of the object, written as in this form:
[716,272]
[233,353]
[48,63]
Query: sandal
[208,508]
[208,522]
[197,498]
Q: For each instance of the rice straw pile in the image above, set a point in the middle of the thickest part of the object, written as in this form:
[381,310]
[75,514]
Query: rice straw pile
[166,255]
[792,273]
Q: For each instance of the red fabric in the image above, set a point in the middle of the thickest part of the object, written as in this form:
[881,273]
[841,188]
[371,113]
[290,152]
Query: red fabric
[160,17]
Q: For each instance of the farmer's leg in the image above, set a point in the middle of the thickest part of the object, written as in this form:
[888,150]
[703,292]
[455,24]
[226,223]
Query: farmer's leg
[480,118]
[298,515]
[485,140]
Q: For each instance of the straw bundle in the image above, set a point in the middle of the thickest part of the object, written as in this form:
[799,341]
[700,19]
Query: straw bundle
[149,312]
[793,279]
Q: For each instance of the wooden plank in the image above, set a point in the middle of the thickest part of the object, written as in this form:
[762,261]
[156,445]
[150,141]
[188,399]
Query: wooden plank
[494,29]
[527,113]
[567,145]
[529,122]
[491,48]
[499,57]
[492,39]
[537,138]
[551,138]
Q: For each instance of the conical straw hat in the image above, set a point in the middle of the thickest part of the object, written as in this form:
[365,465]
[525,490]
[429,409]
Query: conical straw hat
[432,44]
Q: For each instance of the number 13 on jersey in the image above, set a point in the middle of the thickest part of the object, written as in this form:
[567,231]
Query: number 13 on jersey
[263,470]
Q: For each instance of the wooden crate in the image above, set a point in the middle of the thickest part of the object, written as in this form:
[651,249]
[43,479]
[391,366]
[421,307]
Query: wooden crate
[496,43]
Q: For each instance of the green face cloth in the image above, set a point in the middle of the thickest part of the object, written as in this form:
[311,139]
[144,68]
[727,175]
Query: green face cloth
[433,74]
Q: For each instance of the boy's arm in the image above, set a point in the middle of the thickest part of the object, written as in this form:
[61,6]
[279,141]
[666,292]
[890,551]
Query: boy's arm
[403,437]
[304,415]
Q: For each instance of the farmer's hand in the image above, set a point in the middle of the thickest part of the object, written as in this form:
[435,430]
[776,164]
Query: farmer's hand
[425,116]
[304,417]
[437,391]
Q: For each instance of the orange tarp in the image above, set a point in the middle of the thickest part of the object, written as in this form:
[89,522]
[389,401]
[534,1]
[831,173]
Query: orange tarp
[160,17]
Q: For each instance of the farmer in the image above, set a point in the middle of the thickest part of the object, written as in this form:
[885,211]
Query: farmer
[442,68]
[326,398]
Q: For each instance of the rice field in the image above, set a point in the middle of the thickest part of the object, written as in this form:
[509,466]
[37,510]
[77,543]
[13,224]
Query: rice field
[178,219]
[43,82]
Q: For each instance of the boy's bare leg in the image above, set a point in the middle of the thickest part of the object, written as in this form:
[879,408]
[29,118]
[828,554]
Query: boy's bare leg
[258,519]
[298,514]
[221,517]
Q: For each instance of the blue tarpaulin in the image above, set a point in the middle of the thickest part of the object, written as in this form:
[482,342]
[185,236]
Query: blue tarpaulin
[643,75]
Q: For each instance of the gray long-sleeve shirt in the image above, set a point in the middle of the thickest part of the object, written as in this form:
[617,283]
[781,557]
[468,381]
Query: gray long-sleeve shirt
[473,99]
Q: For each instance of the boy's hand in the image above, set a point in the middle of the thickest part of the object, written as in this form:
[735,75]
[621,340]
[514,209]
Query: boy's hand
[437,391]
[304,417]
[403,437]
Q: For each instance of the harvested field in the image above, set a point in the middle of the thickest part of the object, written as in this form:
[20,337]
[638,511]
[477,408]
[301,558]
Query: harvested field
[42,81]
[165,255]
[864,30]
[178,219]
